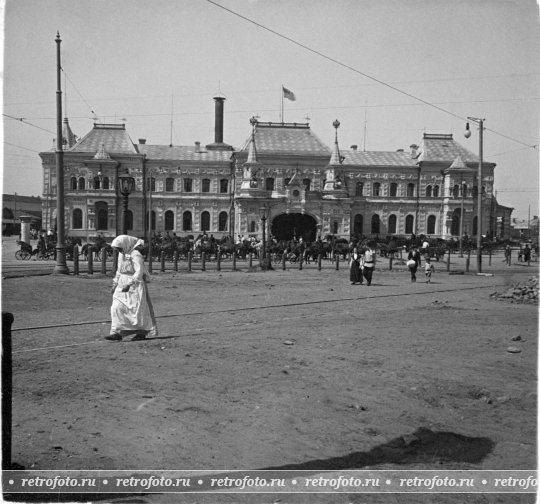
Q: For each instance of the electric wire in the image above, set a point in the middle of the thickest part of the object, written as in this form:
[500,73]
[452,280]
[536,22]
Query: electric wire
[24,121]
[355,70]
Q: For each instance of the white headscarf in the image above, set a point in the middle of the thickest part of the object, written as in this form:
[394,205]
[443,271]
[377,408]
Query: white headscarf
[127,243]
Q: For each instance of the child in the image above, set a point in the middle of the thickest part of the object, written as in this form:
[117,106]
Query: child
[429,269]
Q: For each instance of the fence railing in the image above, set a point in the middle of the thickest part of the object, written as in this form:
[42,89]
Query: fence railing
[216,262]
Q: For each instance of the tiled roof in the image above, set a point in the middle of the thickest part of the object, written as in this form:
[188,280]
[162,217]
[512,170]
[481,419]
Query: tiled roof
[112,137]
[287,138]
[378,158]
[183,153]
[443,148]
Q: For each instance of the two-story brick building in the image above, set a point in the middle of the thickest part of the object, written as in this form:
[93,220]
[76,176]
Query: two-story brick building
[285,171]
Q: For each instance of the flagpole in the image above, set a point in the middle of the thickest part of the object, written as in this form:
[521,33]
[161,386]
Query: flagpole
[281,102]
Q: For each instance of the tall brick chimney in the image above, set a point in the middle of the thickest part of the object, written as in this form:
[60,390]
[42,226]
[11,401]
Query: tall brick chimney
[218,126]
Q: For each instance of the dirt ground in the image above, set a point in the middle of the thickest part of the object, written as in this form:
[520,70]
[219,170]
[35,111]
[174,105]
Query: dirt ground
[279,369]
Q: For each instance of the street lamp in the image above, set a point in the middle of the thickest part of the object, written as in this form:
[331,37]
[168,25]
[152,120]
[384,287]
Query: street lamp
[480,123]
[126,183]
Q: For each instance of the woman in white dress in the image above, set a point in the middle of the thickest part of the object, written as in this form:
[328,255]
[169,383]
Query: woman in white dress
[131,311]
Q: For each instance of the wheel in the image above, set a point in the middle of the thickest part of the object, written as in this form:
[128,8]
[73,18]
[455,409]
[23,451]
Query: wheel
[19,255]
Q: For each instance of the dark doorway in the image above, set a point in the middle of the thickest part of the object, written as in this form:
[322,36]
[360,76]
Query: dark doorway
[286,226]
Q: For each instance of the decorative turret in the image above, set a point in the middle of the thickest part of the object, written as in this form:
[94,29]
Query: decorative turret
[68,138]
[250,183]
[102,154]
[334,186]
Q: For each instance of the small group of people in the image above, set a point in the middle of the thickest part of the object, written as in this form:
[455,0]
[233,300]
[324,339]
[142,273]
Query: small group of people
[414,262]
[362,265]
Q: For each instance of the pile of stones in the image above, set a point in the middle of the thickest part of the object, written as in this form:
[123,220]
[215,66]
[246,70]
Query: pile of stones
[521,293]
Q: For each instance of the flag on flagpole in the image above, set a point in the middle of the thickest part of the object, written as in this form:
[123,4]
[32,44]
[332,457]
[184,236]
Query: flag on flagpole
[288,94]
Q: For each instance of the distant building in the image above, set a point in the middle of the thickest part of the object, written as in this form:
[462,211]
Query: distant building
[523,229]
[15,206]
[285,171]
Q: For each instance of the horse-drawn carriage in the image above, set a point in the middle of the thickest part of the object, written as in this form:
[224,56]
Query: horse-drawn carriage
[42,252]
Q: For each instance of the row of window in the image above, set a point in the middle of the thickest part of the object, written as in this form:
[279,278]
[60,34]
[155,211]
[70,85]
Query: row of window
[79,184]
[375,227]
[102,221]
[431,191]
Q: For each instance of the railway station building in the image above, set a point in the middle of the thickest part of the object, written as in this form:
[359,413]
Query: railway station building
[283,173]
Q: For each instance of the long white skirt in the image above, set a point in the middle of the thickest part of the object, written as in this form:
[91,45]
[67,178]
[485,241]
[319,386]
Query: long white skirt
[132,311]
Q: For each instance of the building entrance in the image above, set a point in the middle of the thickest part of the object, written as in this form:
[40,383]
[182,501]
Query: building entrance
[288,226]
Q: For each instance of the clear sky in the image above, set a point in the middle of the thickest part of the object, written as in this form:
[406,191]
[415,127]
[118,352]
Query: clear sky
[372,64]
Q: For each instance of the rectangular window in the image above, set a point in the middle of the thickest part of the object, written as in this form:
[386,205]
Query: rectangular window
[205,185]
[223,186]
[188,185]
[269,184]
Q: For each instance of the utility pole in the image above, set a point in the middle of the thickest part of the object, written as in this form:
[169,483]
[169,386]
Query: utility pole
[61,266]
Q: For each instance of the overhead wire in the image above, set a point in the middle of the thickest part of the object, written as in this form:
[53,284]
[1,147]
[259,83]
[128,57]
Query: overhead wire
[349,67]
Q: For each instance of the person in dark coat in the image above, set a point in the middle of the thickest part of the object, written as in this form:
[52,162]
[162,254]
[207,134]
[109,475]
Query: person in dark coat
[356,275]
[413,262]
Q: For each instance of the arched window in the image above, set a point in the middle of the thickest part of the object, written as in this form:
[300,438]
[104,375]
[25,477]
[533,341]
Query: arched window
[358,224]
[187,221]
[129,220]
[223,186]
[169,184]
[269,184]
[169,220]
[205,185]
[153,220]
[436,191]
[375,224]
[82,183]
[431,221]
[97,182]
[73,184]
[77,219]
[105,182]
[454,229]
[455,191]
[428,191]
[102,215]
[222,221]
[409,224]
[410,190]
[392,224]
[359,189]
[376,189]
[307,184]
[205,221]
[393,189]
